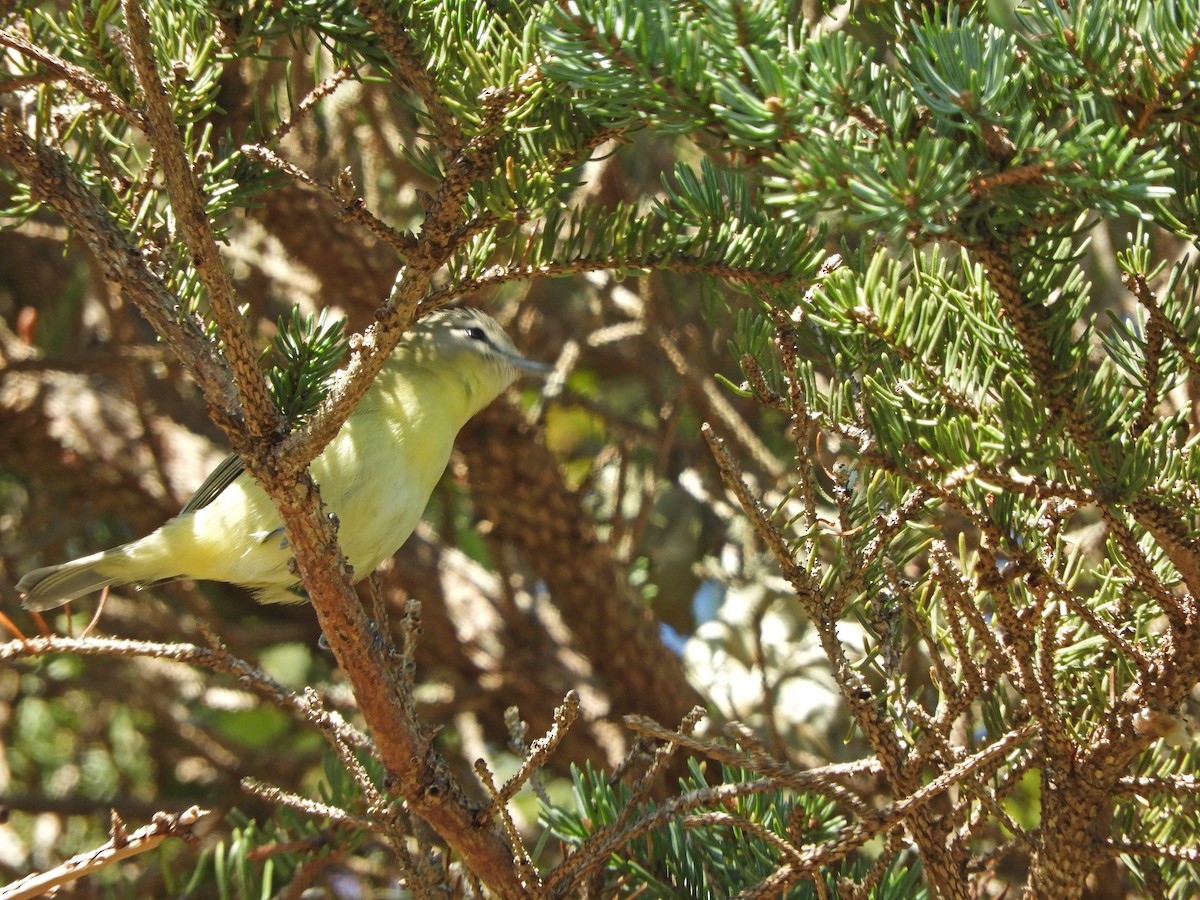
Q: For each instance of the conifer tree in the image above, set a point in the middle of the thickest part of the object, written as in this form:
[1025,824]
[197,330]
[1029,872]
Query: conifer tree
[850,551]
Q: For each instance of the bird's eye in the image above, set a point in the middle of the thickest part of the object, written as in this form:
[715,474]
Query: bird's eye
[476,334]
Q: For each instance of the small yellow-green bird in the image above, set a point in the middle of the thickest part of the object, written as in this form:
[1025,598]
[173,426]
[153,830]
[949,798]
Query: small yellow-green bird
[376,476]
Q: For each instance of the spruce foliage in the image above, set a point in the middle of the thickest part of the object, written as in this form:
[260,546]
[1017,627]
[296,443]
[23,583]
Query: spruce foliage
[945,492]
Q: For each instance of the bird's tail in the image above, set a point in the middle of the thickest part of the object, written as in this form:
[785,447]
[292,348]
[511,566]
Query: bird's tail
[53,586]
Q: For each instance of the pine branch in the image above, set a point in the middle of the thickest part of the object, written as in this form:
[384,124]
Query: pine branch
[258,421]
[51,176]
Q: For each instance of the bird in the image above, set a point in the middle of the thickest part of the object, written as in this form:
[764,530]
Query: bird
[376,476]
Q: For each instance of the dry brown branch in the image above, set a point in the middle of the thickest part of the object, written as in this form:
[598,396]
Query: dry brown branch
[882,821]
[763,392]
[418,772]
[258,420]
[122,845]
[886,529]
[80,79]
[52,180]
[542,748]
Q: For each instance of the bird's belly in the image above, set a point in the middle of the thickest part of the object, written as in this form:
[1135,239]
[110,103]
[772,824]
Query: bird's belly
[376,477]
[373,521]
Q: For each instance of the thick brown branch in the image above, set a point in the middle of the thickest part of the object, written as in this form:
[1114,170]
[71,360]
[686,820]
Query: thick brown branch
[53,181]
[415,769]
[260,420]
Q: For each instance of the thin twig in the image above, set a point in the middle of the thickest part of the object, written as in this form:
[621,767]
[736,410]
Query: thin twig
[81,79]
[531,883]
[350,206]
[279,797]
[1160,851]
[543,747]
[217,660]
[1174,785]
[825,780]
[122,845]
[308,103]
[803,583]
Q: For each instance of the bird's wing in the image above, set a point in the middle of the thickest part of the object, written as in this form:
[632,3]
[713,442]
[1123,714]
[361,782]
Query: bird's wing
[220,478]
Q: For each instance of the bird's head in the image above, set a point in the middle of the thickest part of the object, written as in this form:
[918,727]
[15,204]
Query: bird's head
[470,347]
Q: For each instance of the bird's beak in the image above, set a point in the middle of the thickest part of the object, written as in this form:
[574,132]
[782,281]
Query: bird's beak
[531,367]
